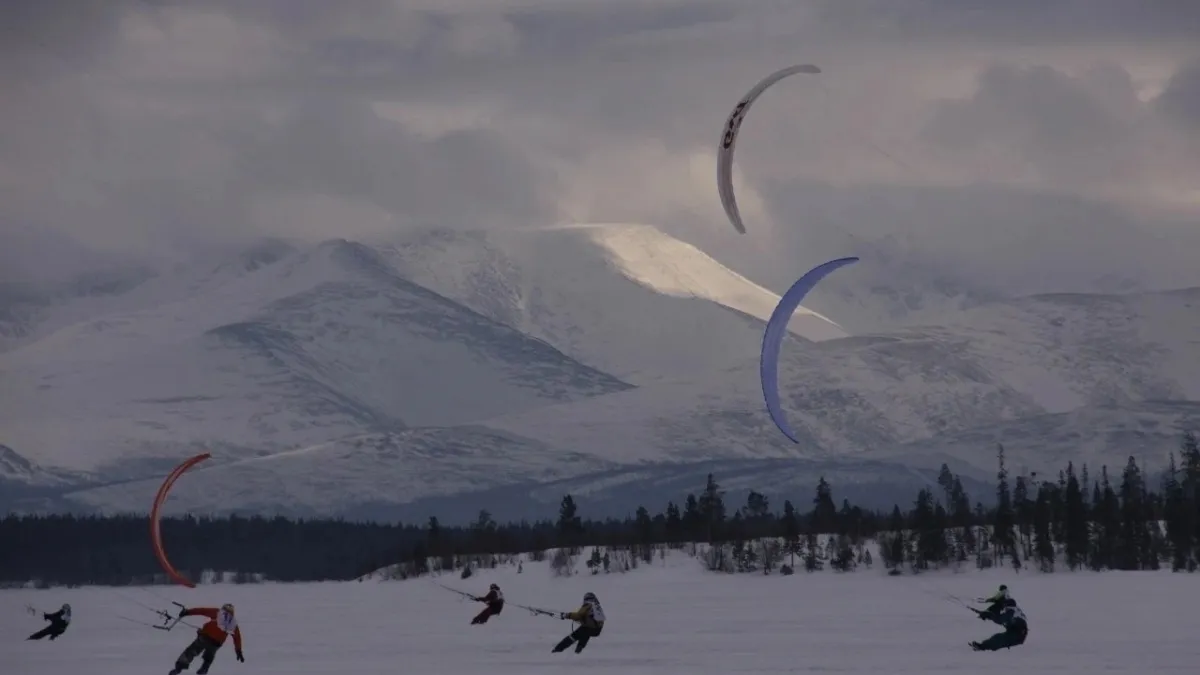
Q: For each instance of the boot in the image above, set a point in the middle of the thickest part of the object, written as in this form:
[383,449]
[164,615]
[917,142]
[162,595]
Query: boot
[561,646]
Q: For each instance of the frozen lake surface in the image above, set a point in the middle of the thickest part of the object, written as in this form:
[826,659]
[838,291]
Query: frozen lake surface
[667,618]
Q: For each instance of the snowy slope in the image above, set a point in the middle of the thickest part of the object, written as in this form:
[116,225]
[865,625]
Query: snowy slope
[18,470]
[878,414]
[997,363]
[1093,435]
[669,617]
[349,378]
[319,344]
[353,473]
[626,299]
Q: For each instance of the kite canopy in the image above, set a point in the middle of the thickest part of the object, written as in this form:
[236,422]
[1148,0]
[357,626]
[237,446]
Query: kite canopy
[768,365]
[155,533]
[729,139]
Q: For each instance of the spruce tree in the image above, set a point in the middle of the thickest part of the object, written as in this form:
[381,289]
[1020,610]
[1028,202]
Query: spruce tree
[570,525]
[1190,456]
[693,521]
[824,513]
[1134,543]
[1023,510]
[1075,526]
[674,523]
[758,508]
[1042,512]
[712,509]
[945,480]
[1002,521]
[790,527]
[897,544]
[1179,535]
[922,522]
[1107,517]
[645,534]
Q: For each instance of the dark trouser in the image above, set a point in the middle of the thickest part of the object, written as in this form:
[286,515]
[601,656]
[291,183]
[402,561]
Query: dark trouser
[1009,638]
[487,613]
[204,647]
[580,637]
[52,631]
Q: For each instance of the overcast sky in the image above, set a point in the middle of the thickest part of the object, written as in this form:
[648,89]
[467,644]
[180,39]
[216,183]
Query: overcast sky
[1041,144]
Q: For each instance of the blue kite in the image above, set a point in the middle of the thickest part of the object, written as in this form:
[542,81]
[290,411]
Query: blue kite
[777,328]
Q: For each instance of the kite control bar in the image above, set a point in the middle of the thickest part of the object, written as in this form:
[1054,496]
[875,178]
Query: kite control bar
[170,620]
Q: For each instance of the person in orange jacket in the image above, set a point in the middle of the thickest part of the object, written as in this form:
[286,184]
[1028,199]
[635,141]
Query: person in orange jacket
[209,638]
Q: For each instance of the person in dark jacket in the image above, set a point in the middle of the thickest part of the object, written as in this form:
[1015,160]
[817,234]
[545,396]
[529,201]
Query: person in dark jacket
[495,605]
[1016,628]
[998,600]
[58,624]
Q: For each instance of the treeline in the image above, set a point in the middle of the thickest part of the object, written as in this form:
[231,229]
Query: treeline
[1077,520]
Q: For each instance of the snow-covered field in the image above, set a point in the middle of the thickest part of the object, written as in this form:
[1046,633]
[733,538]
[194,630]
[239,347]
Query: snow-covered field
[667,618]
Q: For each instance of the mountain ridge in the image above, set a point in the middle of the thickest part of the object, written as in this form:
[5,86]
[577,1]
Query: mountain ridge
[487,370]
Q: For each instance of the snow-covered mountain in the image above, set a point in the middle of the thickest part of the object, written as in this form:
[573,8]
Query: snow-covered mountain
[626,299]
[993,364]
[449,371]
[357,472]
[320,344]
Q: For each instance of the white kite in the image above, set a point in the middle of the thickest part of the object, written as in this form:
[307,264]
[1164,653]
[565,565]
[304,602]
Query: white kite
[729,138]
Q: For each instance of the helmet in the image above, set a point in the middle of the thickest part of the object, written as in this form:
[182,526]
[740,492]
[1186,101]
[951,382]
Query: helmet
[494,587]
[66,606]
[1003,588]
[227,607]
[589,596]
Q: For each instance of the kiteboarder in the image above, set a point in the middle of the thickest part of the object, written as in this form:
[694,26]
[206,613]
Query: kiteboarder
[997,601]
[590,617]
[58,624]
[495,605]
[209,638]
[1016,628]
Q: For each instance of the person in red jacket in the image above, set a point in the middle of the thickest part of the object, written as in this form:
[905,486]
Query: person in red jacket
[495,605]
[209,638]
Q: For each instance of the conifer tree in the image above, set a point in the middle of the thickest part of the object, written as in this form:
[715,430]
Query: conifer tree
[712,509]
[1042,513]
[1002,521]
[1075,529]
[824,514]
[674,523]
[1133,546]
[1023,512]
[790,526]
[570,525]
[1179,535]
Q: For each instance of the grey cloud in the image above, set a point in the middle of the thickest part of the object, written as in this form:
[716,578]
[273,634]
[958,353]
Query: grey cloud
[1019,21]
[94,150]
[1072,129]
[343,148]
[1180,100]
[161,125]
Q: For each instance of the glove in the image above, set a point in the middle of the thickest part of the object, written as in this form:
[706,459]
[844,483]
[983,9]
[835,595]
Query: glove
[45,616]
[240,658]
[564,616]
